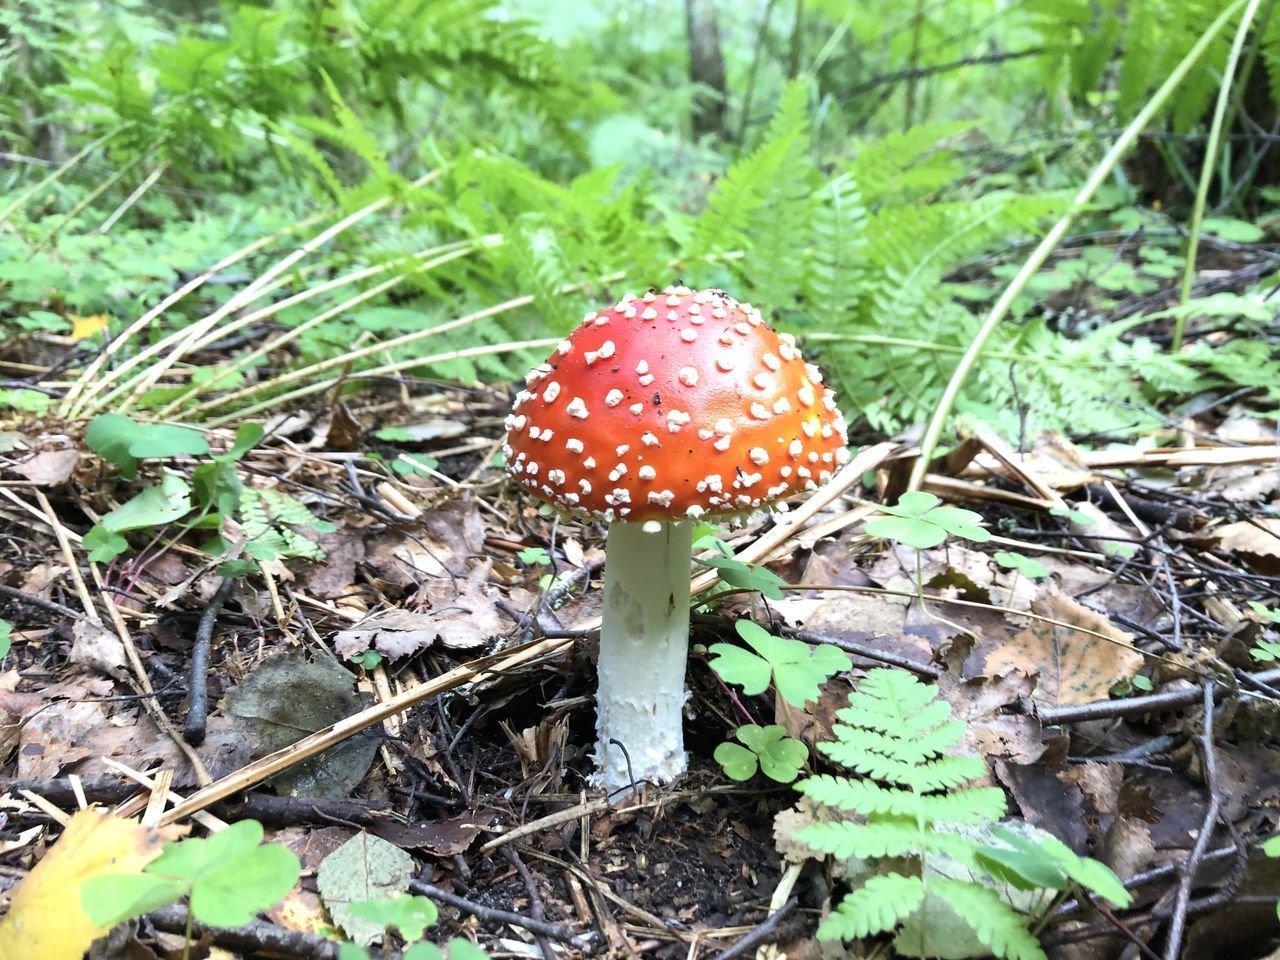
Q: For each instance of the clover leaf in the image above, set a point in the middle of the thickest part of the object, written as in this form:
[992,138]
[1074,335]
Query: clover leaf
[1029,567]
[737,573]
[797,670]
[230,877]
[408,914]
[122,441]
[919,520]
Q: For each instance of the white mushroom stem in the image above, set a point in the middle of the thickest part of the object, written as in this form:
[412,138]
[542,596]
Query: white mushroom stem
[644,645]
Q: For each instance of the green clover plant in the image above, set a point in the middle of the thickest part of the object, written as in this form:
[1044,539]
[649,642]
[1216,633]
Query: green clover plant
[767,748]
[734,572]
[409,916]
[229,877]
[919,520]
[796,671]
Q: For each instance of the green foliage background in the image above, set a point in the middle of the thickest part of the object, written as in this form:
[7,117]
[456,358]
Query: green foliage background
[879,169]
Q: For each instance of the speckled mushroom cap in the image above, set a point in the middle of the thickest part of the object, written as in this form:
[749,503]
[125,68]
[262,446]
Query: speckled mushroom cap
[672,405]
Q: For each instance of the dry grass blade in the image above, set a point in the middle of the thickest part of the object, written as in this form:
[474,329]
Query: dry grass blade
[314,743]
[387,369]
[430,259]
[180,341]
[89,383]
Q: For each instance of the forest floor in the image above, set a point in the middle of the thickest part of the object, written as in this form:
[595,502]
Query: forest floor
[1083,676]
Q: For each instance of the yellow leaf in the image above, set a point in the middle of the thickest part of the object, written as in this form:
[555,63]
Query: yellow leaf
[82,327]
[45,918]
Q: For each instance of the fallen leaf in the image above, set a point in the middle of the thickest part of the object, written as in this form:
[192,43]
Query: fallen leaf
[989,731]
[364,868]
[45,918]
[1259,537]
[285,698]
[48,468]
[85,327]
[54,737]
[462,616]
[96,647]
[1072,667]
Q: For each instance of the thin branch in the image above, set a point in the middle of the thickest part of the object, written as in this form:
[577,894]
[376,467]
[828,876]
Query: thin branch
[552,931]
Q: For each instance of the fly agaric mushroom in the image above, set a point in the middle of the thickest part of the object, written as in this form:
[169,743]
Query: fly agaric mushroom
[656,412]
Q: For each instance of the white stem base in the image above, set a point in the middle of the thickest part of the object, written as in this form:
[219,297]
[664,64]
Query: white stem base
[644,646]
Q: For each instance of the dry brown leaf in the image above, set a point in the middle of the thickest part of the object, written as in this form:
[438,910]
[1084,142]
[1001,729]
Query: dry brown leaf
[989,731]
[461,616]
[96,647]
[45,918]
[1073,667]
[48,468]
[1259,537]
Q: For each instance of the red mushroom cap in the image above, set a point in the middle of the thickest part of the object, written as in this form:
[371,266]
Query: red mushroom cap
[672,405]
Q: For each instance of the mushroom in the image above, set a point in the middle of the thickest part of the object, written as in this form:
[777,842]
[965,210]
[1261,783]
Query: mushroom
[656,412]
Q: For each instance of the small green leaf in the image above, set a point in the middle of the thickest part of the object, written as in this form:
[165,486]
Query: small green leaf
[156,505]
[1115,548]
[102,545]
[353,951]
[367,659]
[1265,612]
[248,435]
[1232,230]
[122,441]
[534,555]
[1028,567]
[739,763]
[1272,847]
[410,915]
[232,874]
[919,520]
[114,898]
[1075,516]
[735,665]
[745,576]
[394,434]
[6,639]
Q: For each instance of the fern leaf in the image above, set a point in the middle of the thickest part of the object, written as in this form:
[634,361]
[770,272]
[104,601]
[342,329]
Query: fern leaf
[1000,928]
[844,839]
[939,774]
[878,905]
[906,164]
[835,271]
[974,805]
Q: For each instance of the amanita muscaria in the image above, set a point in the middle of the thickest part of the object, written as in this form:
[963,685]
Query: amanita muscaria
[658,411]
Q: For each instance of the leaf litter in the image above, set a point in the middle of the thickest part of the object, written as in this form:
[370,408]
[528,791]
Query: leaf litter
[462,580]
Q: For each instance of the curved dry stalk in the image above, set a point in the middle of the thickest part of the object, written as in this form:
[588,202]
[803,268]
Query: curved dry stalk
[388,369]
[181,341]
[459,249]
[933,433]
[1206,171]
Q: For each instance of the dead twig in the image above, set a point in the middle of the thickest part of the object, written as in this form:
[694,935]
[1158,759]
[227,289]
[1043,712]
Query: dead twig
[759,935]
[492,915]
[254,937]
[198,678]
[536,906]
[1187,875]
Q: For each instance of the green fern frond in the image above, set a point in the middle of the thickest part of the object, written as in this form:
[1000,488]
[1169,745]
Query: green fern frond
[1000,928]
[878,905]
[763,184]
[972,805]
[835,269]
[908,164]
